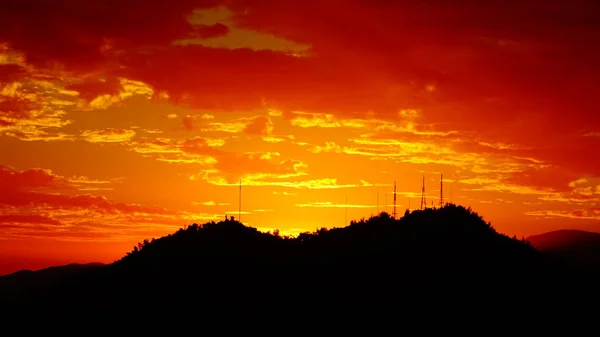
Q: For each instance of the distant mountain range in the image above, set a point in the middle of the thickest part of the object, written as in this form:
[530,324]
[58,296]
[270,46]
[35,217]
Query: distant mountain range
[54,271]
[579,248]
[25,281]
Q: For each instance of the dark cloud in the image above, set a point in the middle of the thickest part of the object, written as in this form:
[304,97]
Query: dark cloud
[92,88]
[519,72]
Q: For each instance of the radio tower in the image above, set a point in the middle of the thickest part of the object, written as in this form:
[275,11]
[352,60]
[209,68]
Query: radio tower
[240,203]
[423,204]
[394,214]
[441,190]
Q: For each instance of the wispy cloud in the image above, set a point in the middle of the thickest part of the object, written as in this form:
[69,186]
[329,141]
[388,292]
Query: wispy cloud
[284,193]
[581,214]
[108,135]
[128,89]
[37,203]
[328,204]
[210,203]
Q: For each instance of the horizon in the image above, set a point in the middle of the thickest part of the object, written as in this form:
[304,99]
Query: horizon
[292,235]
[125,122]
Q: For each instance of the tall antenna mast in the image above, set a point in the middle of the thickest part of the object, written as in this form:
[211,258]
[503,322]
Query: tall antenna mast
[441,190]
[394,215]
[423,204]
[377,202]
[240,203]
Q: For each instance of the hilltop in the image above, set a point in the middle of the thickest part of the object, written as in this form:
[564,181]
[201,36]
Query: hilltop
[576,247]
[430,256]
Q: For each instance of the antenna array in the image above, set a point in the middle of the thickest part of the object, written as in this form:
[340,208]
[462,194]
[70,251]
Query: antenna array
[423,204]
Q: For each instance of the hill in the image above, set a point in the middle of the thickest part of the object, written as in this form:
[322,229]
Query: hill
[579,248]
[54,271]
[373,267]
[26,282]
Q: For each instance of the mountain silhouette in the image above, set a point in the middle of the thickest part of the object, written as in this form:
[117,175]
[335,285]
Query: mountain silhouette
[54,271]
[26,282]
[580,248]
[434,258]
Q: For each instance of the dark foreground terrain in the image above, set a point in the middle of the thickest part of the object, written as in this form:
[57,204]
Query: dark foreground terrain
[446,262]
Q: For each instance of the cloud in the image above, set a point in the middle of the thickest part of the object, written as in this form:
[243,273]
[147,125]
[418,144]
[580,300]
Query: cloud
[256,125]
[92,88]
[216,28]
[215,177]
[283,193]
[307,120]
[252,168]
[127,89]
[278,139]
[259,125]
[109,135]
[28,219]
[329,147]
[328,204]
[39,203]
[34,110]
[196,150]
[210,203]
[214,57]
[580,214]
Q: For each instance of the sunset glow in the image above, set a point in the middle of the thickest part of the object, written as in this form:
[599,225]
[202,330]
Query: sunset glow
[121,121]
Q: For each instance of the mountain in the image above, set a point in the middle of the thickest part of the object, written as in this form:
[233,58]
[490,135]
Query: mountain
[433,259]
[54,270]
[24,282]
[579,248]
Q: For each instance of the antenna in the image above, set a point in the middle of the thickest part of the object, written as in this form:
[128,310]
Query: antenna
[441,190]
[423,204]
[240,203]
[394,215]
[377,202]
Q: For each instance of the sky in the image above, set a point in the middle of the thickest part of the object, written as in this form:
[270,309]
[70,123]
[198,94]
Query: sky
[125,120]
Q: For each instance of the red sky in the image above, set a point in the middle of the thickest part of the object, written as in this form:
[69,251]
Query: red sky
[125,120]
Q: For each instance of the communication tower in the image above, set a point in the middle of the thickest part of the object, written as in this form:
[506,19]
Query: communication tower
[423,204]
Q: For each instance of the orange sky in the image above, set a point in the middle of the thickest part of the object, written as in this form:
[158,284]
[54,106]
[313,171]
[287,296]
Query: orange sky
[125,120]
